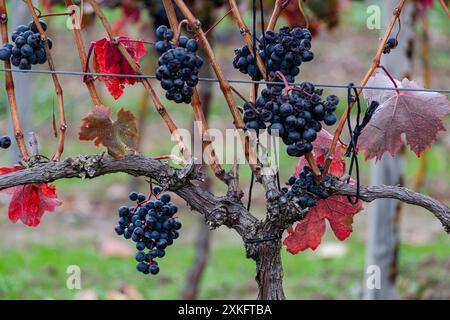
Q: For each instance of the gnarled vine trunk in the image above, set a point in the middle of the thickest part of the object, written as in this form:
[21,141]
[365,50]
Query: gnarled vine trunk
[269,270]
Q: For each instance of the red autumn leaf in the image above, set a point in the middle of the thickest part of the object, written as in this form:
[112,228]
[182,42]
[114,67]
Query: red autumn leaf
[130,13]
[108,59]
[30,202]
[321,146]
[413,113]
[308,232]
[116,136]
[421,7]
[337,210]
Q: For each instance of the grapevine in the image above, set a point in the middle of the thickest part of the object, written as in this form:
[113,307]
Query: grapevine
[318,191]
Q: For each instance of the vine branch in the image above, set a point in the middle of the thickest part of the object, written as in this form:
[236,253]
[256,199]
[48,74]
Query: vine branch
[224,85]
[9,84]
[247,37]
[368,194]
[373,67]
[58,88]
[196,104]
[78,37]
[146,83]
[444,6]
[217,210]
[279,7]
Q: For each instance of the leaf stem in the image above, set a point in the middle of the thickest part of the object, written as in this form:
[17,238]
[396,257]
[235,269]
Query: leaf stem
[9,84]
[390,77]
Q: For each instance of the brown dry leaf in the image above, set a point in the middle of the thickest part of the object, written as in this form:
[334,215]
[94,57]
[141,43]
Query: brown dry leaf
[116,136]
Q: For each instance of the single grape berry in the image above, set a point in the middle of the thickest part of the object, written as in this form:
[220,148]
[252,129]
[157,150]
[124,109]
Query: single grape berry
[141,197]
[391,43]
[5,53]
[133,196]
[330,119]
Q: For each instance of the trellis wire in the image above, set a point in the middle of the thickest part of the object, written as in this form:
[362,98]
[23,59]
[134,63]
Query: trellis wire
[242,81]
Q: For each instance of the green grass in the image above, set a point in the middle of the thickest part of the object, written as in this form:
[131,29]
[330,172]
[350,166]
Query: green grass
[39,272]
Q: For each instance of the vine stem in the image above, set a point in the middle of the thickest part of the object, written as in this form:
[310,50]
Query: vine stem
[146,83]
[224,85]
[279,6]
[177,30]
[217,22]
[78,37]
[196,103]
[57,84]
[373,67]
[9,84]
[55,14]
[247,37]
[302,10]
[444,6]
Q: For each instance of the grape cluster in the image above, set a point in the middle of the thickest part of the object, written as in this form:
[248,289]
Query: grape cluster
[305,190]
[178,65]
[282,51]
[152,225]
[295,117]
[245,62]
[28,48]
[5,142]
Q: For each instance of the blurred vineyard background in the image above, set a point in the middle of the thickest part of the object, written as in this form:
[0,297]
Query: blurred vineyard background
[33,262]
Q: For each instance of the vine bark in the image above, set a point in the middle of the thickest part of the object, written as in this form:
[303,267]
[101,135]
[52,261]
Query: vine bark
[262,239]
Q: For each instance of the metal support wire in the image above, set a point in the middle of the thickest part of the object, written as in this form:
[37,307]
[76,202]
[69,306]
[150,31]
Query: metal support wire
[241,81]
